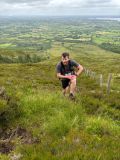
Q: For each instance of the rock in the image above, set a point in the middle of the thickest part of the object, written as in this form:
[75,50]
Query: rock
[2,91]
[3,94]
[16,156]
[6,148]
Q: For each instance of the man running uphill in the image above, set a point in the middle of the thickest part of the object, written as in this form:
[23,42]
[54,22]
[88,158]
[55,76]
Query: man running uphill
[67,71]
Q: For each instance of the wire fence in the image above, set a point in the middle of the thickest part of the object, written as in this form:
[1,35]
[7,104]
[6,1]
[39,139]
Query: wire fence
[99,79]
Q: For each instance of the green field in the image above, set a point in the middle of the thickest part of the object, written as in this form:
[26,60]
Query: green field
[36,121]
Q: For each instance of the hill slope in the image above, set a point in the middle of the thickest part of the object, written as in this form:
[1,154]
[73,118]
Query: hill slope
[37,122]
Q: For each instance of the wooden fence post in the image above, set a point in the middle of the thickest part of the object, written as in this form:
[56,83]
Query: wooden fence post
[93,75]
[85,70]
[101,80]
[109,83]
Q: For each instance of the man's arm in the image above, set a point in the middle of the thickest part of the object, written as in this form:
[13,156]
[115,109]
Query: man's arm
[78,67]
[80,70]
[58,70]
[59,75]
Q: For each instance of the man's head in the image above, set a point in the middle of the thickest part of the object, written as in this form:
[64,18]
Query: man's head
[65,58]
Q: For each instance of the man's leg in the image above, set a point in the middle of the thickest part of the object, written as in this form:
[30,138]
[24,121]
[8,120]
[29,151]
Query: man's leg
[65,86]
[65,91]
[73,86]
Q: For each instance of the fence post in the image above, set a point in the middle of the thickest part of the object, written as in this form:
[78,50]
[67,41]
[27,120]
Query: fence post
[101,80]
[85,70]
[109,82]
[93,75]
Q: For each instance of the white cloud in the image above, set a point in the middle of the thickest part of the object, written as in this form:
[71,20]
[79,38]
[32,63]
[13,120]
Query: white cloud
[116,2]
[84,3]
[67,6]
[66,3]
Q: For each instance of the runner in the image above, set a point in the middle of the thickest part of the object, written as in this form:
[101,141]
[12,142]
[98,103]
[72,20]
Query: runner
[67,71]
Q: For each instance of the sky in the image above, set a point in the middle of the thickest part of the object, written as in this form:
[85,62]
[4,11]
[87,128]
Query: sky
[59,7]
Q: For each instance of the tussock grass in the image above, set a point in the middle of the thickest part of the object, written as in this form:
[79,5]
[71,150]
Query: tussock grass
[58,114]
[102,126]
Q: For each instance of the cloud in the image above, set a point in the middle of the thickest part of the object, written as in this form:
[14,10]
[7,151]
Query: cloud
[84,3]
[64,3]
[24,1]
[52,6]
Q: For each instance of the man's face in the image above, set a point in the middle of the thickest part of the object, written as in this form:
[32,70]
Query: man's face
[65,60]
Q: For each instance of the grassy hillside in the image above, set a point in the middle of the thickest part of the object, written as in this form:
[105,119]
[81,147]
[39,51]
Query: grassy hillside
[38,123]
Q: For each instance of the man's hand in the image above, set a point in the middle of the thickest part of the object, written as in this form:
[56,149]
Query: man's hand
[68,76]
[71,77]
[59,75]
